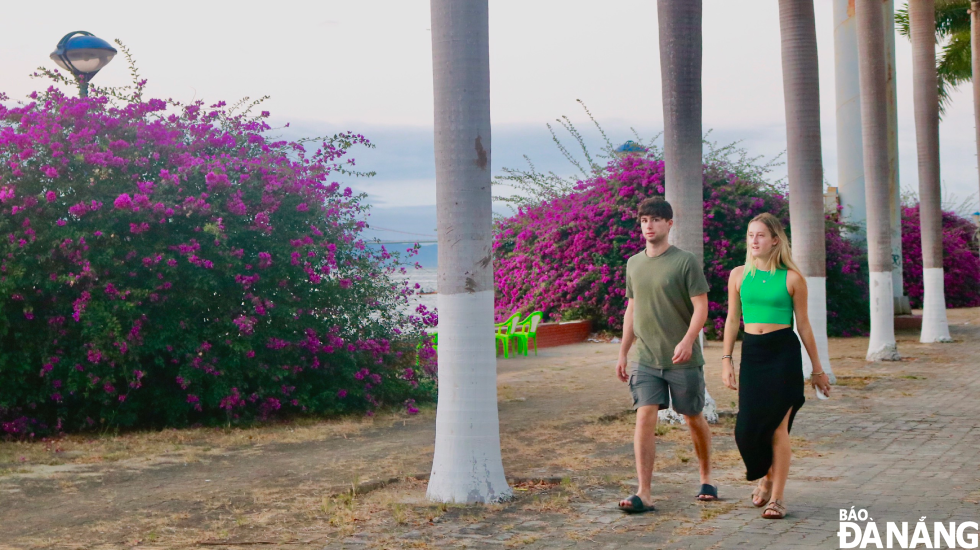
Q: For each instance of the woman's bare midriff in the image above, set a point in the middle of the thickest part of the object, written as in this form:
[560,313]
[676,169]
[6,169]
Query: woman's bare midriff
[763,328]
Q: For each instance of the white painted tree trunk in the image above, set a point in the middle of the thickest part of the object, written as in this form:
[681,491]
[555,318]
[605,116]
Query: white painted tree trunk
[817,306]
[466,466]
[710,412]
[881,344]
[874,124]
[801,90]
[922,23]
[935,327]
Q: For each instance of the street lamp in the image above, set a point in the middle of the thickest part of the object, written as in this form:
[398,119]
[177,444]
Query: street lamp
[630,148]
[83,55]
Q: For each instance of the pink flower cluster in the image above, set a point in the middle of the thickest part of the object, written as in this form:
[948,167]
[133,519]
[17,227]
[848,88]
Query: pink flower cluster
[961,264]
[567,257]
[120,302]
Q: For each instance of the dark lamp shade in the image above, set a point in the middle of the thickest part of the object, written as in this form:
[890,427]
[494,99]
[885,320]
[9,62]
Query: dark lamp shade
[86,54]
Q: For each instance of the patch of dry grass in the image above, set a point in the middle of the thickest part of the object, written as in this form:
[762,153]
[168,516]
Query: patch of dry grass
[517,542]
[184,445]
[674,433]
[583,535]
[616,431]
[858,382]
[715,509]
[727,458]
[692,531]
[505,393]
[565,446]
[557,503]
[802,448]
[340,512]
[276,516]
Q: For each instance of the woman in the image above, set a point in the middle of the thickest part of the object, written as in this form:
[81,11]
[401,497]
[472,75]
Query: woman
[768,290]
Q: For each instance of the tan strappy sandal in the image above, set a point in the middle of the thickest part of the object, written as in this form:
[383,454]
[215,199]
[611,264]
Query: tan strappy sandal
[762,494]
[775,510]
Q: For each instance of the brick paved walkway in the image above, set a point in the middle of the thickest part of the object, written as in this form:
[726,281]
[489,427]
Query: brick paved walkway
[907,453]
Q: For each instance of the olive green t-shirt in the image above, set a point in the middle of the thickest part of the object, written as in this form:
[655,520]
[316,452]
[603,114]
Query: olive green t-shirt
[661,289]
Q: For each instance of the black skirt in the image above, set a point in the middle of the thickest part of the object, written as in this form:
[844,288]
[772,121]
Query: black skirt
[770,384]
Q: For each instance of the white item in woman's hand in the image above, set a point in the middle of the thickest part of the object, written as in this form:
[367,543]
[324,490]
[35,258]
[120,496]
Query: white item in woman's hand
[820,394]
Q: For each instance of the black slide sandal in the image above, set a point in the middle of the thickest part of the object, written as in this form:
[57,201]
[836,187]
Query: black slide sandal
[636,506]
[707,491]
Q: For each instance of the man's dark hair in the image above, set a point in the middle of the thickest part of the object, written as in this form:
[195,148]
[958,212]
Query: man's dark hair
[655,207]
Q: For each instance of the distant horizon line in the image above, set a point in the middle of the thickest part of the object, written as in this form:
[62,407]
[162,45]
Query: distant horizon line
[405,242]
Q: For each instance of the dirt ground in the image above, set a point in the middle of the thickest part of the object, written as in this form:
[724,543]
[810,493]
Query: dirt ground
[566,435]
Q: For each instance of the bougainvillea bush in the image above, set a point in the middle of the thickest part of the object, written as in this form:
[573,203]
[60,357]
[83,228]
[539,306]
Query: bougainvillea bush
[166,264]
[567,256]
[961,265]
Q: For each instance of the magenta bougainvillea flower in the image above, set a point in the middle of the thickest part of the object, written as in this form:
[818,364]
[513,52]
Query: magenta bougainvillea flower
[961,264]
[567,257]
[217,286]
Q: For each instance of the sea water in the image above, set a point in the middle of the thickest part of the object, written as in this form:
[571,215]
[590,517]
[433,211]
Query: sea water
[426,294]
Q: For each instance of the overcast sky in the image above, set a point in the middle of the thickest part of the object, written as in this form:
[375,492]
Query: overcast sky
[366,66]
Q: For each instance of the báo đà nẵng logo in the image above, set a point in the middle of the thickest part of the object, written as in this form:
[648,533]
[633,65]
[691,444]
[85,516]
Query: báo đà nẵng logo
[921,534]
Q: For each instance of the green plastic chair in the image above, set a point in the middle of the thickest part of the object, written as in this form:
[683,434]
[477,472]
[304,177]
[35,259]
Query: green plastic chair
[526,331]
[504,331]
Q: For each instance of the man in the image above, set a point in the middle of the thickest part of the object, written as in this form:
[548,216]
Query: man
[667,308]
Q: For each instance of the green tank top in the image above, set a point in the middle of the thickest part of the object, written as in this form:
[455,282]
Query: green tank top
[765,298]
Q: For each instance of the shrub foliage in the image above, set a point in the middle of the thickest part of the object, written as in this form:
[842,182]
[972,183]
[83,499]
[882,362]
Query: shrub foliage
[567,255]
[961,265]
[169,264]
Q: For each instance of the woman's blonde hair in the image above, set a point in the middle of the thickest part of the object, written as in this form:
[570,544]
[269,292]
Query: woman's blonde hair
[782,255]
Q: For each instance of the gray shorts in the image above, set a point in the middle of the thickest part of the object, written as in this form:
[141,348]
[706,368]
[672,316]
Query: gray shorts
[682,389]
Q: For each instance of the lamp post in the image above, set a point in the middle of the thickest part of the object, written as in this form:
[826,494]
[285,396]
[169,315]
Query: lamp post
[976,222]
[83,55]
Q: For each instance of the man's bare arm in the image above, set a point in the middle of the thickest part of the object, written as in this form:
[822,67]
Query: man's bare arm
[684,350]
[627,343]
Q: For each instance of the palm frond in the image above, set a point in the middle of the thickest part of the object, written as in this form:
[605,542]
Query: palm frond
[953,67]
[902,22]
[953,64]
[952,17]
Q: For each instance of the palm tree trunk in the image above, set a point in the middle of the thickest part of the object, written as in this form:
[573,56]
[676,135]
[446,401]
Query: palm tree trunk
[850,160]
[975,57]
[801,88]
[894,187]
[922,24]
[874,125]
[679,23]
[679,27]
[466,465]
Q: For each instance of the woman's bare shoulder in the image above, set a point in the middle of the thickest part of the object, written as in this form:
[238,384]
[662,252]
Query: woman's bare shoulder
[736,275]
[795,282]
[794,277]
